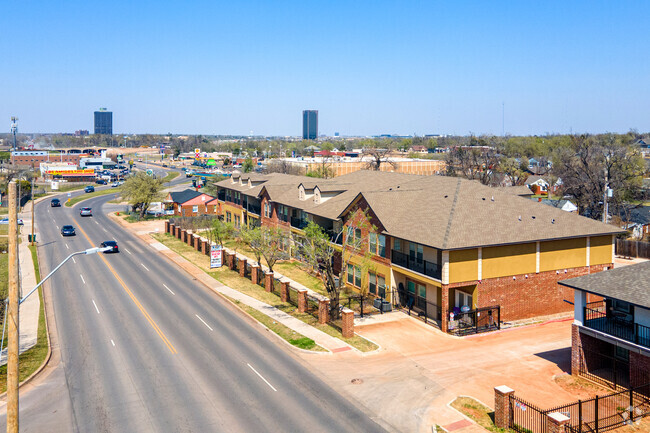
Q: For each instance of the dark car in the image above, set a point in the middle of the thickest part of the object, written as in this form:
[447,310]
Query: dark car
[67,231]
[55,202]
[89,188]
[86,211]
[164,165]
[111,244]
[100,182]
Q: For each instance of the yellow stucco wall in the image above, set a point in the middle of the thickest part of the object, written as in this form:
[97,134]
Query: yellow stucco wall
[463,265]
[508,260]
[600,251]
[562,254]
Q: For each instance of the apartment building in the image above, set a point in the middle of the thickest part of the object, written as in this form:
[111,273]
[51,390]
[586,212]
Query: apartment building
[448,244]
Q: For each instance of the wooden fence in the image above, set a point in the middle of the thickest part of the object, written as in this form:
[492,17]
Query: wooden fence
[627,248]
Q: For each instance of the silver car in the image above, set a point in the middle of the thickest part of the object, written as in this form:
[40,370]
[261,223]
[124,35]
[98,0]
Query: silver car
[86,211]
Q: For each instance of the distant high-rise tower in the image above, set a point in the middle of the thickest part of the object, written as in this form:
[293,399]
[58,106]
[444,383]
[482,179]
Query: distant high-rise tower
[103,122]
[309,124]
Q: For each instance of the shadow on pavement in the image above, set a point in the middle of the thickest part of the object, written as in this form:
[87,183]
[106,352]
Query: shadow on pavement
[560,357]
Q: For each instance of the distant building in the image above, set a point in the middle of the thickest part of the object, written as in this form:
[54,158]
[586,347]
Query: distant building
[81,132]
[309,124]
[103,122]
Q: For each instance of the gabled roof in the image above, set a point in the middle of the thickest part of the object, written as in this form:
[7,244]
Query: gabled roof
[628,283]
[453,213]
[184,196]
[535,178]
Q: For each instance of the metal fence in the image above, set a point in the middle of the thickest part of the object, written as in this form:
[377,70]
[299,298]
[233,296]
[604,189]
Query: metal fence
[476,321]
[598,414]
[632,248]
[416,305]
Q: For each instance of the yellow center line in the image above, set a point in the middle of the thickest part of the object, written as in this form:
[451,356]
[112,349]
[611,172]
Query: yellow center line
[135,300]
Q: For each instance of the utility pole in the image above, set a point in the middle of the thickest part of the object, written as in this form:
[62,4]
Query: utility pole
[32,210]
[605,206]
[12,316]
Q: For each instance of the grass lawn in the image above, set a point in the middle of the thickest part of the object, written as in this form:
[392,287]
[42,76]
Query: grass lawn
[243,285]
[482,415]
[33,358]
[170,176]
[4,229]
[4,210]
[4,275]
[75,200]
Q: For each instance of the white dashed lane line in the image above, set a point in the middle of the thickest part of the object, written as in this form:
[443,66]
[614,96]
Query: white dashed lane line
[208,326]
[127,251]
[96,309]
[170,290]
[262,377]
[82,278]
[144,266]
[113,343]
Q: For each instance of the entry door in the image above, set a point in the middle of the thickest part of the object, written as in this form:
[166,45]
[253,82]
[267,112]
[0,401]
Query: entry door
[463,299]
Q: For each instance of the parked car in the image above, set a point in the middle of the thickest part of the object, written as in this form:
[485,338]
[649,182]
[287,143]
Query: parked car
[164,165]
[111,244]
[86,211]
[100,182]
[6,221]
[89,188]
[55,202]
[115,184]
[67,230]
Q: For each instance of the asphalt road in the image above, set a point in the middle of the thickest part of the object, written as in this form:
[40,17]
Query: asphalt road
[145,348]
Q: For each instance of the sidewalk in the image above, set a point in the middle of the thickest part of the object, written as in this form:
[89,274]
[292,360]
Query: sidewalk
[324,340]
[28,313]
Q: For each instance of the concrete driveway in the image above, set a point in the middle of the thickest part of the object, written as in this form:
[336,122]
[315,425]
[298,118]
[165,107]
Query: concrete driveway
[419,370]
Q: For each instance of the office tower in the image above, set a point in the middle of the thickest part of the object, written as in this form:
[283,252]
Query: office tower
[103,122]
[309,124]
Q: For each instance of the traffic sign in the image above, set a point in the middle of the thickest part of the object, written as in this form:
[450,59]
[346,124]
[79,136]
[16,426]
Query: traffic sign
[149,172]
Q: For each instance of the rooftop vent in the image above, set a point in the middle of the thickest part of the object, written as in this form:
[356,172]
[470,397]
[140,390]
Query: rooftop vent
[553,221]
[533,217]
[483,198]
[446,196]
[519,217]
[492,198]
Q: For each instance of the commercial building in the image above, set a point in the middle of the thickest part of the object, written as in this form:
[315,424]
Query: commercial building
[103,122]
[338,166]
[34,158]
[439,245]
[610,338]
[310,124]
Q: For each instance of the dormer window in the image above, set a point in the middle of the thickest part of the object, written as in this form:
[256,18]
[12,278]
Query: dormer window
[317,196]
[301,192]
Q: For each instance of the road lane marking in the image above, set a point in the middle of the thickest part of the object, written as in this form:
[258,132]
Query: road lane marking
[144,266]
[96,222]
[170,290]
[96,309]
[57,227]
[204,322]
[104,229]
[74,261]
[66,245]
[127,251]
[82,278]
[144,312]
[113,343]
[262,377]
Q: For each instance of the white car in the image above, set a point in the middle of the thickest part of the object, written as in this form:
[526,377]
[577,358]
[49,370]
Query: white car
[6,221]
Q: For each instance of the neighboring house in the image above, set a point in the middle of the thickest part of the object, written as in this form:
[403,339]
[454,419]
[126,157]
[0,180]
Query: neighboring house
[190,203]
[444,242]
[537,184]
[418,148]
[610,337]
[565,205]
[639,221]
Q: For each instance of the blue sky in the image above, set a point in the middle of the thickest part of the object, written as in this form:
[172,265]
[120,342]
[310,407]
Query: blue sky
[369,67]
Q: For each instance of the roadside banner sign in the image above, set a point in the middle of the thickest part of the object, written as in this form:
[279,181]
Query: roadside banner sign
[215,256]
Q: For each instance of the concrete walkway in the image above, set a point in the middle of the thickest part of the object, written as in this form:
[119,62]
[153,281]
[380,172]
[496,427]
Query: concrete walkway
[28,313]
[324,340]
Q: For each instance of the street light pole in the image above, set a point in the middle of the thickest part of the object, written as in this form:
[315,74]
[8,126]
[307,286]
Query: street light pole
[32,209]
[12,317]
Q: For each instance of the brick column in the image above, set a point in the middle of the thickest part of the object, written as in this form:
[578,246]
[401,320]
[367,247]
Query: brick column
[230,260]
[197,242]
[188,238]
[302,300]
[444,322]
[323,311]
[205,247]
[347,327]
[255,272]
[242,267]
[502,411]
[556,422]
[178,232]
[268,281]
[284,291]
[575,349]
[167,226]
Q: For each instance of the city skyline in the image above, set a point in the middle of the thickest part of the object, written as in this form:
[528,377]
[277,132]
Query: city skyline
[403,68]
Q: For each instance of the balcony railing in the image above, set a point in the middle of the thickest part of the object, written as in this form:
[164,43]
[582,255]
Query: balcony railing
[335,237]
[254,209]
[221,195]
[298,223]
[421,266]
[596,317]
[283,217]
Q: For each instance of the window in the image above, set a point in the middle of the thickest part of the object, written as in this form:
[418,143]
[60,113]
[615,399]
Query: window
[377,244]
[237,221]
[267,209]
[376,284]
[357,235]
[372,283]
[397,244]
[372,241]
[195,208]
[381,286]
[463,299]
[422,291]
[228,217]
[354,275]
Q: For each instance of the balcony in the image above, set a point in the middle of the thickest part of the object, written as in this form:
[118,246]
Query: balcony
[596,317]
[335,237]
[254,209]
[221,195]
[283,217]
[298,223]
[421,266]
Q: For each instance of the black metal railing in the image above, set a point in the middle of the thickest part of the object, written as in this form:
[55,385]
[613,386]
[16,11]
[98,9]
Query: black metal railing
[476,321]
[417,305]
[283,217]
[298,223]
[597,317]
[335,237]
[421,266]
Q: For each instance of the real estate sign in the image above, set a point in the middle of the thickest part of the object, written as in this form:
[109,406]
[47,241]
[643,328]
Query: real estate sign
[215,256]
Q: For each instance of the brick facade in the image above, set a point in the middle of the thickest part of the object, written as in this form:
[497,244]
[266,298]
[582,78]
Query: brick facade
[639,369]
